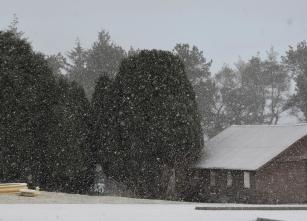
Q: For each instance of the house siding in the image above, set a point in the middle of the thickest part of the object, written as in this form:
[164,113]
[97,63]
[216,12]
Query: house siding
[221,192]
[283,180]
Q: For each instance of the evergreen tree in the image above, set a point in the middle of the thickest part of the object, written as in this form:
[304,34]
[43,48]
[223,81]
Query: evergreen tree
[198,72]
[76,69]
[158,124]
[57,63]
[102,122]
[87,65]
[43,121]
[27,95]
[13,27]
[69,160]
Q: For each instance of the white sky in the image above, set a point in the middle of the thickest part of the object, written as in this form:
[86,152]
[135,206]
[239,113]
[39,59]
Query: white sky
[223,29]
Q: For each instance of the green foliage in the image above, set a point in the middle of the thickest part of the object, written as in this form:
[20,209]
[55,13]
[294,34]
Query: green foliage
[102,122]
[76,69]
[157,121]
[255,93]
[196,66]
[27,95]
[43,121]
[277,81]
[296,62]
[198,73]
[69,157]
[87,65]
[57,63]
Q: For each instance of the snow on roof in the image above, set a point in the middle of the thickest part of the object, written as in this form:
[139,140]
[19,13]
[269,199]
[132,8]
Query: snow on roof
[248,147]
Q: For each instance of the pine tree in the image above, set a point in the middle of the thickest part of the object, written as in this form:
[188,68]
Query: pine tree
[13,27]
[76,69]
[86,66]
[57,63]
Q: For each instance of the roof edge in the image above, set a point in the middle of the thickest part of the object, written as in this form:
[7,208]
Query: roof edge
[278,155]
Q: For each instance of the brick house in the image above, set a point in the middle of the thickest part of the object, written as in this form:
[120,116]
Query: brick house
[254,164]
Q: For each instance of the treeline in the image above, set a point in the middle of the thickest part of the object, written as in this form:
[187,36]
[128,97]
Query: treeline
[141,125]
[256,91]
[44,122]
[141,114]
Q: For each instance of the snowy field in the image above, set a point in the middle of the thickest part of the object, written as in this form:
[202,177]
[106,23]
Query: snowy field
[134,212]
[64,198]
[60,206]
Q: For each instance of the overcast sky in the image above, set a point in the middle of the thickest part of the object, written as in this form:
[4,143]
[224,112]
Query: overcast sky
[224,30]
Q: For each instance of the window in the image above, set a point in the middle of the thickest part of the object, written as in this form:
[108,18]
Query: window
[212,178]
[247,183]
[229,179]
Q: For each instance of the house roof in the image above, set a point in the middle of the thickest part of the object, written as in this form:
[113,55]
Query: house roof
[249,147]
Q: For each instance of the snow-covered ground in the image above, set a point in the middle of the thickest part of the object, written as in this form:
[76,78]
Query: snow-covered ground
[64,198]
[135,212]
[60,206]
